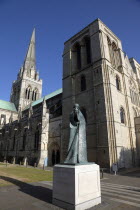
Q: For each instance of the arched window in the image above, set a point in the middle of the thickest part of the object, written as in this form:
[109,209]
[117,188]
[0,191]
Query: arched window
[118,83]
[35,76]
[36,143]
[14,141]
[29,93]
[83,83]
[55,154]
[33,96]
[24,140]
[88,51]
[78,53]
[113,53]
[26,93]
[114,49]
[122,116]
[110,48]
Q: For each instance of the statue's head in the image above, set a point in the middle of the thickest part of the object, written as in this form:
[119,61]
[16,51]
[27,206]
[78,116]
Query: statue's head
[76,108]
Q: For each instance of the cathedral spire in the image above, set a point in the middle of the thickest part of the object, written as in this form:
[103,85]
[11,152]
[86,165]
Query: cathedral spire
[30,60]
[28,86]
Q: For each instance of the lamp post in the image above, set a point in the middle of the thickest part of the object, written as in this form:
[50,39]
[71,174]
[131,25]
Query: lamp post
[16,145]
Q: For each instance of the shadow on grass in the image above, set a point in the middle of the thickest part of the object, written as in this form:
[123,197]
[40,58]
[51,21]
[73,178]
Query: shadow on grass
[39,192]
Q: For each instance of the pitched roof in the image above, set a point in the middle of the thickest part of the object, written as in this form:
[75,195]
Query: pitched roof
[7,105]
[51,95]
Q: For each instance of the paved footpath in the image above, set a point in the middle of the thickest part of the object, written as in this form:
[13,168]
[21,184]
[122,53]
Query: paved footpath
[118,192]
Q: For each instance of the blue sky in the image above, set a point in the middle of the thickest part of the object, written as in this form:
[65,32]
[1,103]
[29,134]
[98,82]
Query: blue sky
[55,22]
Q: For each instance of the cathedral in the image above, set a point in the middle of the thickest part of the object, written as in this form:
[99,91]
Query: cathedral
[97,75]
[30,128]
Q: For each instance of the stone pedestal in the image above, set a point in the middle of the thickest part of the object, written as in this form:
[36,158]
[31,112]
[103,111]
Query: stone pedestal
[76,187]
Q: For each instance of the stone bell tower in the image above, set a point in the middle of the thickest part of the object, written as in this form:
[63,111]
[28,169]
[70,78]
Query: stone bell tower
[28,86]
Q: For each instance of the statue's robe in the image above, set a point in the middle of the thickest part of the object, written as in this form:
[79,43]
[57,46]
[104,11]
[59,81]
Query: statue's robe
[77,149]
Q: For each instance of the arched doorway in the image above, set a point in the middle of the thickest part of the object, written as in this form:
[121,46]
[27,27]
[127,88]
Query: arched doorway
[54,154]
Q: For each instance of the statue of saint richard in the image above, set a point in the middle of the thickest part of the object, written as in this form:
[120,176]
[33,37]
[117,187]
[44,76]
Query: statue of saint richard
[77,149]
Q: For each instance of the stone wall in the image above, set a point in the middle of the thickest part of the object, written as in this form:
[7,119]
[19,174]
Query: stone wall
[110,138]
[29,138]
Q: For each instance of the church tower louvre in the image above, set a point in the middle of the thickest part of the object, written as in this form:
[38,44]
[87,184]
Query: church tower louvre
[28,86]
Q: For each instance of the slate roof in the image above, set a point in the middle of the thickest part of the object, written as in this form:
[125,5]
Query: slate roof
[55,93]
[7,105]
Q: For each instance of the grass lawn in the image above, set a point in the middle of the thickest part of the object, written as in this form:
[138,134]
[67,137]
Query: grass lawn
[12,174]
[1,164]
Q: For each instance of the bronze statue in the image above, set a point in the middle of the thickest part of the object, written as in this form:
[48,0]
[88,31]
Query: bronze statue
[77,149]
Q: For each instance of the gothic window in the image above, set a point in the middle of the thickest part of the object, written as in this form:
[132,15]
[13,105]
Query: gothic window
[14,141]
[29,93]
[24,140]
[88,50]
[36,143]
[83,83]
[110,50]
[55,154]
[35,76]
[113,53]
[33,96]
[122,116]
[118,83]
[114,48]
[26,93]
[78,55]
[134,97]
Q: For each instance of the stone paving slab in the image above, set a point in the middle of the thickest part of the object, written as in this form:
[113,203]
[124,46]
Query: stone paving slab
[38,196]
